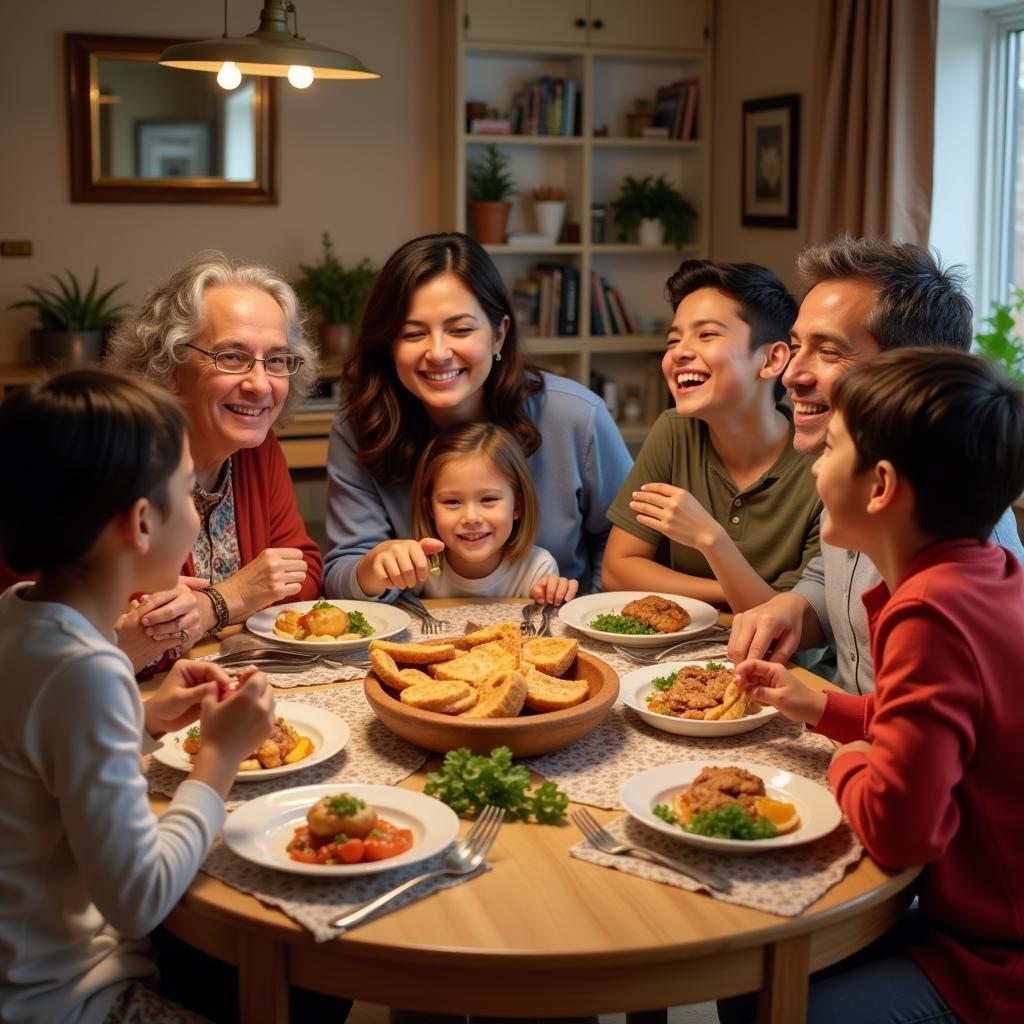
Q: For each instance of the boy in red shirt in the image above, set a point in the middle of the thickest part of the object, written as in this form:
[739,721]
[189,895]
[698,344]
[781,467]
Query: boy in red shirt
[924,451]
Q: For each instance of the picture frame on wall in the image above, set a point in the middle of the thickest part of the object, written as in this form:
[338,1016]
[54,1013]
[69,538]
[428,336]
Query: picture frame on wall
[173,149]
[771,157]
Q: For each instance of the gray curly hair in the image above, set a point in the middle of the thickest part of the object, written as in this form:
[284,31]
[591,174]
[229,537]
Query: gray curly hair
[151,342]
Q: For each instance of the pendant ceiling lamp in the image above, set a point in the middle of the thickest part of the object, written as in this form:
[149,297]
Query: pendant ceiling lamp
[272,50]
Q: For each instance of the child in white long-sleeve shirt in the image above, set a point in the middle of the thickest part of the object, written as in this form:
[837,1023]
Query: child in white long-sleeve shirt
[100,506]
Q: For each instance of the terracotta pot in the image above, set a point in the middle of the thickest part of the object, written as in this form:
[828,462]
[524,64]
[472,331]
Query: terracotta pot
[334,339]
[489,221]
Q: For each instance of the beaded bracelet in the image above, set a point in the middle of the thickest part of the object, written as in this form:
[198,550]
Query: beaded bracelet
[220,608]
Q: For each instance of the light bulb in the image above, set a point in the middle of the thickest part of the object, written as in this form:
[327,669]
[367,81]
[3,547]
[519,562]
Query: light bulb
[229,77]
[300,76]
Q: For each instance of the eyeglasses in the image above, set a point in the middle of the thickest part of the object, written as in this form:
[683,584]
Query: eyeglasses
[231,360]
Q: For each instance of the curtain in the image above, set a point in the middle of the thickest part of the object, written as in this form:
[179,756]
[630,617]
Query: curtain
[871,153]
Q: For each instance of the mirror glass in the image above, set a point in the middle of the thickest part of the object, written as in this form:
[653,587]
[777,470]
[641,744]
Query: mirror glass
[145,133]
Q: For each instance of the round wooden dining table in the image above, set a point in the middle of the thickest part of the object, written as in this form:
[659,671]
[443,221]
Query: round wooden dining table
[544,934]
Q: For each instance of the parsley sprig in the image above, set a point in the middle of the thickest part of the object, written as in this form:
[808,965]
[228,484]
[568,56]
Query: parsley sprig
[468,782]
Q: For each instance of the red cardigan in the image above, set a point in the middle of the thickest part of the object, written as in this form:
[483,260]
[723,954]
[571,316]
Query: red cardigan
[266,516]
[943,782]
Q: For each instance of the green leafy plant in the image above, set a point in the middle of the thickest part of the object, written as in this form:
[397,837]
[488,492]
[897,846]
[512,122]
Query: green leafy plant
[1001,343]
[336,293]
[489,180]
[468,782]
[656,199]
[68,308]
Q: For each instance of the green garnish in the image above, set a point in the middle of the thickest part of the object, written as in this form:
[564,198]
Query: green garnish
[344,805]
[357,624]
[341,837]
[468,782]
[663,682]
[609,623]
[193,733]
[730,821]
[714,666]
[664,812]
[321,605]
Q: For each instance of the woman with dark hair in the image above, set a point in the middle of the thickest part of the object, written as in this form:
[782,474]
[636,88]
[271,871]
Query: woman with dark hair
[438,347]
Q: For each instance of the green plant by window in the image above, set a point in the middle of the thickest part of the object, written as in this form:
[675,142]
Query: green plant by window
[655,199]
[68,308]
[336,293]
[1000,343]
[489,180]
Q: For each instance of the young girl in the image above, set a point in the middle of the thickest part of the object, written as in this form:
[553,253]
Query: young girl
[104,507]
[472,490]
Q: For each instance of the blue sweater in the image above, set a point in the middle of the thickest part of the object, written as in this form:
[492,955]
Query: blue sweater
[577,472]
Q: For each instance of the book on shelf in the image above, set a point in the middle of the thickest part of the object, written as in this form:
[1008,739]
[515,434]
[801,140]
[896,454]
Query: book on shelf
[545,105]
[688,130]
[490,126]
[613,313]
[667,101]
[568,322]
[608,312]
[526,306]
[675,109]
[599,323]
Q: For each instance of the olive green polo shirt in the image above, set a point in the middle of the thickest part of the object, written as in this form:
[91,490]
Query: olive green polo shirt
[773,522]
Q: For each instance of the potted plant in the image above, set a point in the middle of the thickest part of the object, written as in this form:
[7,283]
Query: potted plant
[549,209]
[72,323]
[1000,343]
[653,210]
[490,185]
[337,294]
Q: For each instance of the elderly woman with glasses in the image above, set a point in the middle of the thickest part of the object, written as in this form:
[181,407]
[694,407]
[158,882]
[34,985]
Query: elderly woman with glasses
[227,338]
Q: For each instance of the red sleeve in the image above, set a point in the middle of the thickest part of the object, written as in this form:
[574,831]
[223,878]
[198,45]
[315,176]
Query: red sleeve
[899,795]
[846,716]
[267,515]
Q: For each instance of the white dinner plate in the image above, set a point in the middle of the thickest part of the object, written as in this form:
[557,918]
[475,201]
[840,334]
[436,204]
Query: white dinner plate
[328,732]
[818,810]
[635,688]
[261,830]
[580,612]
[385,619]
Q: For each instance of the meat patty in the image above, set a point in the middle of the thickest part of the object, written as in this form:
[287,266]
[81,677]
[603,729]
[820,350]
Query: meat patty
[697,689]
[659,613]
[715,787]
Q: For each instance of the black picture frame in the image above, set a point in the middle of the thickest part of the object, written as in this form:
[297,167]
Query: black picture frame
[771,157]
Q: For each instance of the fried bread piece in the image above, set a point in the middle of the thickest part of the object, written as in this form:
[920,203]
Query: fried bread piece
[734,704]
[506,634]
[445,696]
[548,693]
[551,654]
[659,613]
[477,665]
[413,676]
[502,695]
[387,671]
[415,654]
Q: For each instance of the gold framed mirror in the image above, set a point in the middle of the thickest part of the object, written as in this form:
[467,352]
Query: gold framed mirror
[143,133]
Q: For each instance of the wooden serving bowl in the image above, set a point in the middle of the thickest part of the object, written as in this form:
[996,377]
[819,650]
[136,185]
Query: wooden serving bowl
[528,734]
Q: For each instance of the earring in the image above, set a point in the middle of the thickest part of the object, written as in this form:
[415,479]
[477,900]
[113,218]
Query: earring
[497,356]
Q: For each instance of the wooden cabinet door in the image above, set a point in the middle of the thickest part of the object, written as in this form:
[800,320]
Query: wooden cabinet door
[527,21]
[655,24]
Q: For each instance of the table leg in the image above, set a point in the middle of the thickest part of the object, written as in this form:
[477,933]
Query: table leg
[262,980]
[783,996]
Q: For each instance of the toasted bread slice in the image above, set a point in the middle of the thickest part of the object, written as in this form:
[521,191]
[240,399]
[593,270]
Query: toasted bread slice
[502,695]
[506,634]
[386,670]
[477,665]
[547,693]
[551,654]
[415,654]
[413,676]
[439,695]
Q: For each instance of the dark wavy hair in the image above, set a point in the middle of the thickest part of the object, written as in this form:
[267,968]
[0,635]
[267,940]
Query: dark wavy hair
[103,438]
[950,423]
[389,426]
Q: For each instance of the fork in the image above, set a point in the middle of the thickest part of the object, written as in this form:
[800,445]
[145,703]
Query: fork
[429,624]
[526,627]
[545,620]
[465,858]
[603,840]
[644,656]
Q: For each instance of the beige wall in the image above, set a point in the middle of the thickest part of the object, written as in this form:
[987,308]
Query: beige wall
[762,49]
[358,159]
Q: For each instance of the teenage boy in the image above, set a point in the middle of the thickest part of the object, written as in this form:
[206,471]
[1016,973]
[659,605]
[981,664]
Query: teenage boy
[924,450]
[864,296]
[718,476]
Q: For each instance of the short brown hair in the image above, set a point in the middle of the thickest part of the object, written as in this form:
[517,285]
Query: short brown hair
[490,442]
[949,422]
[918,302]
[97,439]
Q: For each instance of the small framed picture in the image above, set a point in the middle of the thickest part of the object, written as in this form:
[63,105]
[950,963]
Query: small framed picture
[771,155]
[173,149]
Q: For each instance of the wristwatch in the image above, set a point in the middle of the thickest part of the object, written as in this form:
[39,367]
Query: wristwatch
[220,608]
